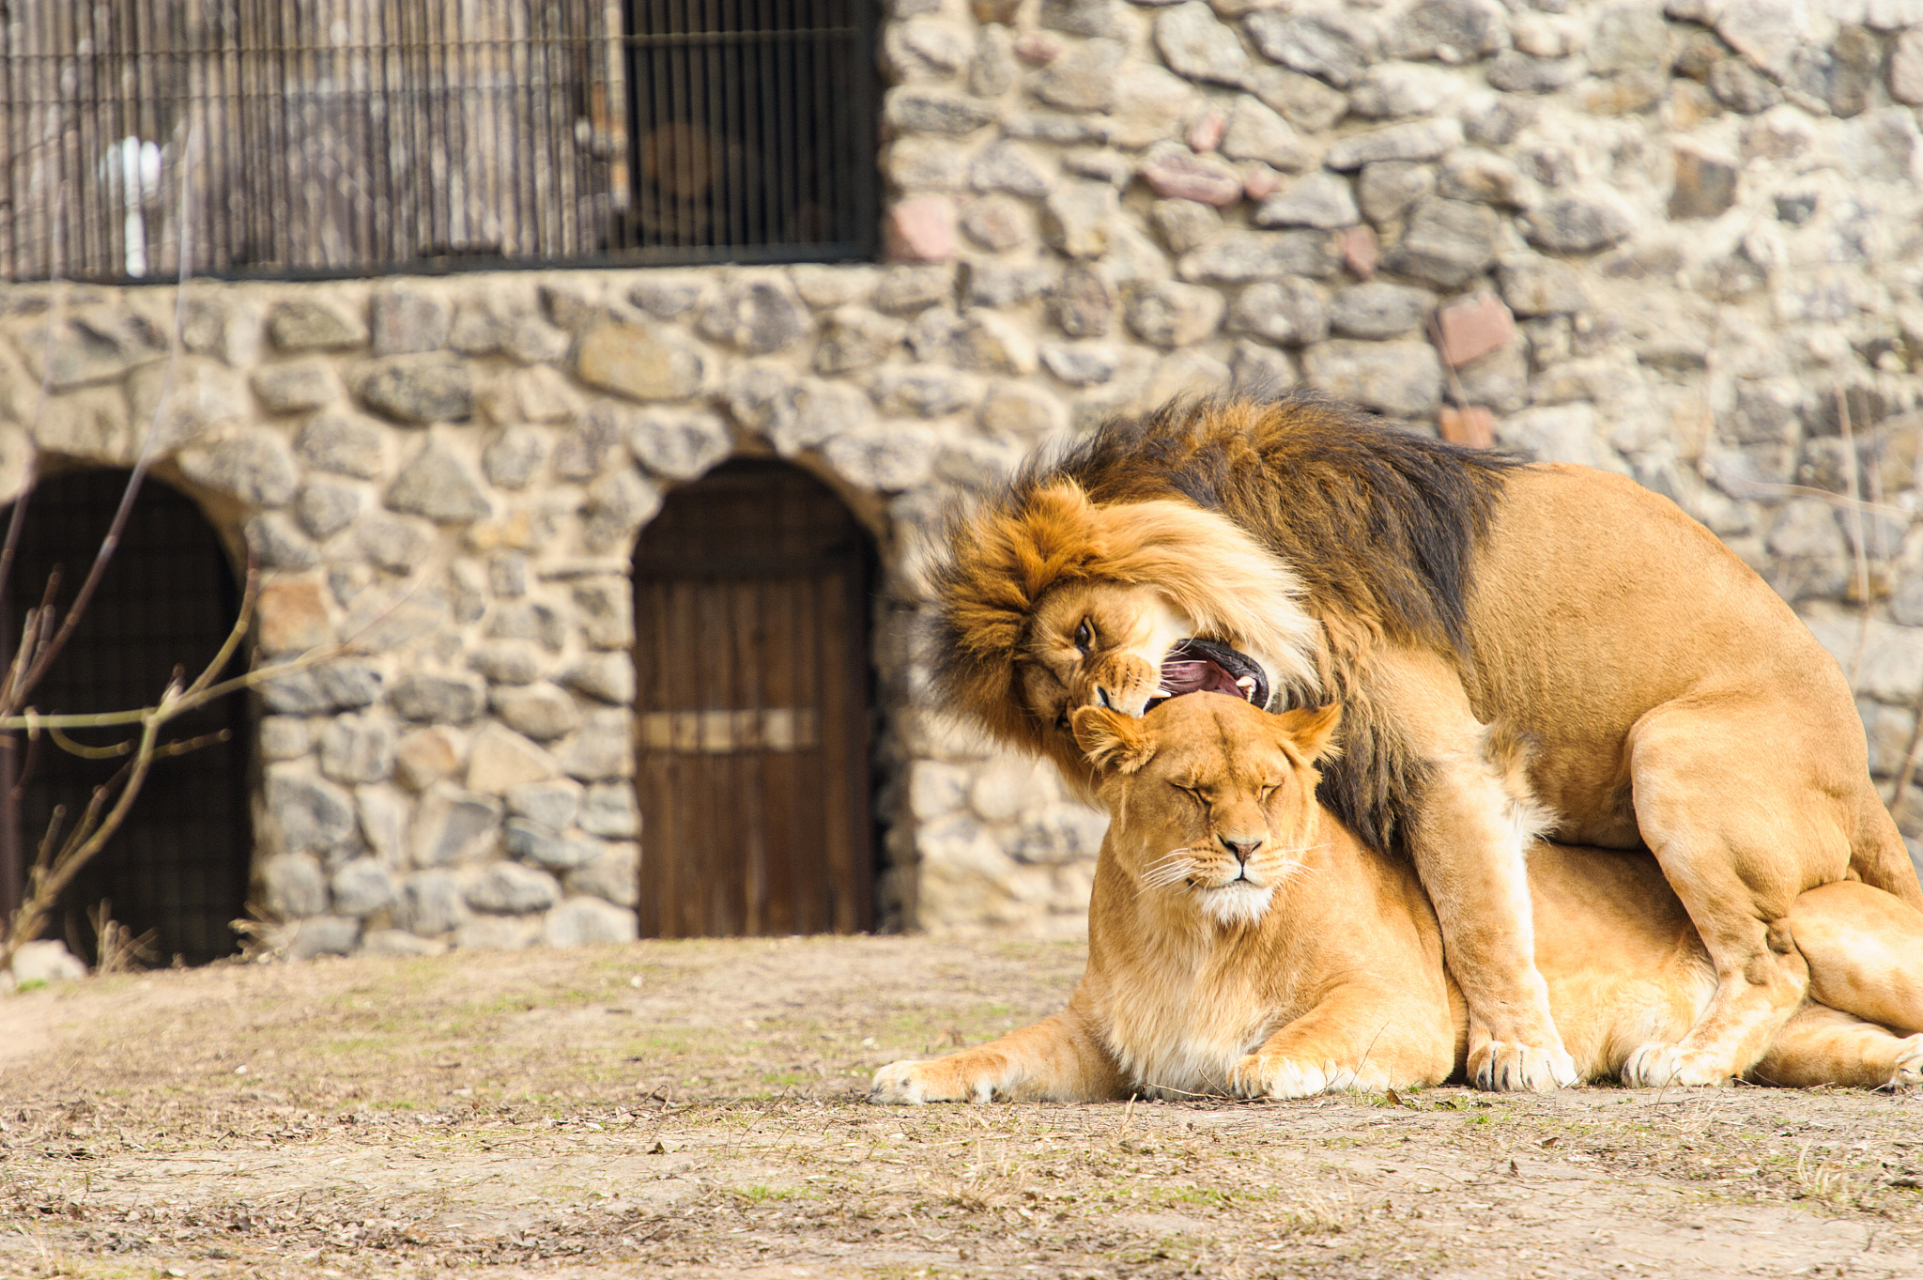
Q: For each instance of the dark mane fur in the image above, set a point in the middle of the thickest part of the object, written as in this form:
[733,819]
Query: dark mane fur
[1381,526]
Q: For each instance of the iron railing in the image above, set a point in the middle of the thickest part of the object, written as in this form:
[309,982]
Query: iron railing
[297,138]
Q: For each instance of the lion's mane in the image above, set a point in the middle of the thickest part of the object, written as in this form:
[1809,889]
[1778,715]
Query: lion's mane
[1298,526]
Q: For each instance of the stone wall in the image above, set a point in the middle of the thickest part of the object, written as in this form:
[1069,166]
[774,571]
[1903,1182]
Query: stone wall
[1684,245]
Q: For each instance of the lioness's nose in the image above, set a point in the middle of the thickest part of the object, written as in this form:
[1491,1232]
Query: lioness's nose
[1242,849]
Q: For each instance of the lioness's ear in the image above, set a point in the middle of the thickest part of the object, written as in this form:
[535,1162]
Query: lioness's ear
[1112,741]
[1310,728]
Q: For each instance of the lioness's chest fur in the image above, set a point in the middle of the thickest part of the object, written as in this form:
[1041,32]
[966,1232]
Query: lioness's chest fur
[1178,1012]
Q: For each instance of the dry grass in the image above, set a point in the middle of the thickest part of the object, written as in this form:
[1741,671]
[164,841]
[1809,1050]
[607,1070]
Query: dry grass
[697,1109]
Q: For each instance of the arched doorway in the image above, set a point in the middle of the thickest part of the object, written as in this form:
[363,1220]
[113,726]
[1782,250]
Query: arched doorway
[751,715]
[179,867]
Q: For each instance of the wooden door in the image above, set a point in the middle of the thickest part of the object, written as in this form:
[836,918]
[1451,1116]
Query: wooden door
[751,717]
[179,866]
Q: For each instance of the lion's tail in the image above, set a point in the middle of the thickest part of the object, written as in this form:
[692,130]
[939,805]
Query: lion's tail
[1880,858]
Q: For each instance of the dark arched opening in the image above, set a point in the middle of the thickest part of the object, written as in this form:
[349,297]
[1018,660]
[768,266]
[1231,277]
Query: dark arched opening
[752,712]
[179,866]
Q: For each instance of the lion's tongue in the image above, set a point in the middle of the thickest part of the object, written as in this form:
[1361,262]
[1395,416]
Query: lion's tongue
[1203,666]
[1182,677]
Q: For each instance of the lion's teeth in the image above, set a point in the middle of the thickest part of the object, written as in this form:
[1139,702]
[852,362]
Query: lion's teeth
[1164,693]
[1247,685]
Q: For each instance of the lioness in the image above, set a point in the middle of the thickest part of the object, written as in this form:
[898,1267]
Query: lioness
[1242,940]
[1299,552]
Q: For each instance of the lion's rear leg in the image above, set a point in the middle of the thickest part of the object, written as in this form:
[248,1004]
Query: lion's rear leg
[1865,952]
[1740,828]
[1820,1046]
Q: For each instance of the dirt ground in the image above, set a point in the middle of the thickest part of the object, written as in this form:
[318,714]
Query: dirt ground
[697,1109]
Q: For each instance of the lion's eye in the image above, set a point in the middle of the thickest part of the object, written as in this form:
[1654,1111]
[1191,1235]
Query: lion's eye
[1262,796]
[1192,793]
[1084,636]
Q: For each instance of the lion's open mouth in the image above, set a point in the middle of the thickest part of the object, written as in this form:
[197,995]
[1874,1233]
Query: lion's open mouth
[1203,666]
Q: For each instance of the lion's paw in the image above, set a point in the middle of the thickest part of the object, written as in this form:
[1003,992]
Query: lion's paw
[1663,1066]
[902,1083]
[1505,1066]
[1257,1076]
[1909,1065]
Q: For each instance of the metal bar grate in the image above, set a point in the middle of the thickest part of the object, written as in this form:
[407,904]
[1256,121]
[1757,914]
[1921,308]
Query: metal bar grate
[357,137]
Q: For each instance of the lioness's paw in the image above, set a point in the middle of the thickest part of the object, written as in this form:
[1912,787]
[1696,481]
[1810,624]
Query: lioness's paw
[1661,1066]
[1505,1066]
[1259,1077]
[902,1082]
[1909,1065]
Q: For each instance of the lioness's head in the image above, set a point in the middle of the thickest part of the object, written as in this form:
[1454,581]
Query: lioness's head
[1211,799]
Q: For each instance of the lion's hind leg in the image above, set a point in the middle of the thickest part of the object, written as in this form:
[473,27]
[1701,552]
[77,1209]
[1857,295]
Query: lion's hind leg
[1739,820]
[1820,1046]
[1865,952]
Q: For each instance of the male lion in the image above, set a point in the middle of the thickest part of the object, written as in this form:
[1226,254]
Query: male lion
[1242,939]
[1298,552]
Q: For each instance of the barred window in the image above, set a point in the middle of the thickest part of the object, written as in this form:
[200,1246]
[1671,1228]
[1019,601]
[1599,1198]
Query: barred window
[306,138]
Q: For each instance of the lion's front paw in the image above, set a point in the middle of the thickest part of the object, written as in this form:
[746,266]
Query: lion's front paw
[903,1082]
[1662,1066]
[1505,1066]
[1259,1076]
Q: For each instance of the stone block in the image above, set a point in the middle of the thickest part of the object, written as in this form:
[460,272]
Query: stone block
[409,320]
[1173,171]
[421,388]
[553,802]
[536,843]
[602,748]
[253,465]
[1473,427]
[1081,364]
[357,749]
[613,874]
[759,316]
[1380,310]
[938,111]
[1473,328]
[430,903]
[453,826]
[362,886]
[1084,78]
[1578,225]
[1286,312]
[639,361]
[542,712]
[395,543]
[1705,186]
[993,344]
[283,738]
[1321,200]
[1195,44]
[441,485]
[497,933]
[296,385]
[616,505]
[325,507]
[1541,287]
[399,942]
[292,617]
[500,759]
[605,611]
[1448,242]
[44,961]
[1402,379]
[385,813]
[508,662]
[1906,68]
[1017,411]
[998,223]
[306,814]
[508,888]
[292,886]
[1083,303]
[1001,285]
[856,338]
[313,324]
[1077,217]
[423,757]
[1334,45]
[607,676]
[1168,314]
[889,458]
[437,698]
[1242,257]
[1058,834]
[1451,31]
[343,443]
[589,922]
[925,391]
[1398,90]
[1514,72]
[610,810]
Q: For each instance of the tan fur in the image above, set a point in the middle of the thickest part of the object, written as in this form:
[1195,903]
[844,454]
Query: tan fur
[1327,972]
[1455,605]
